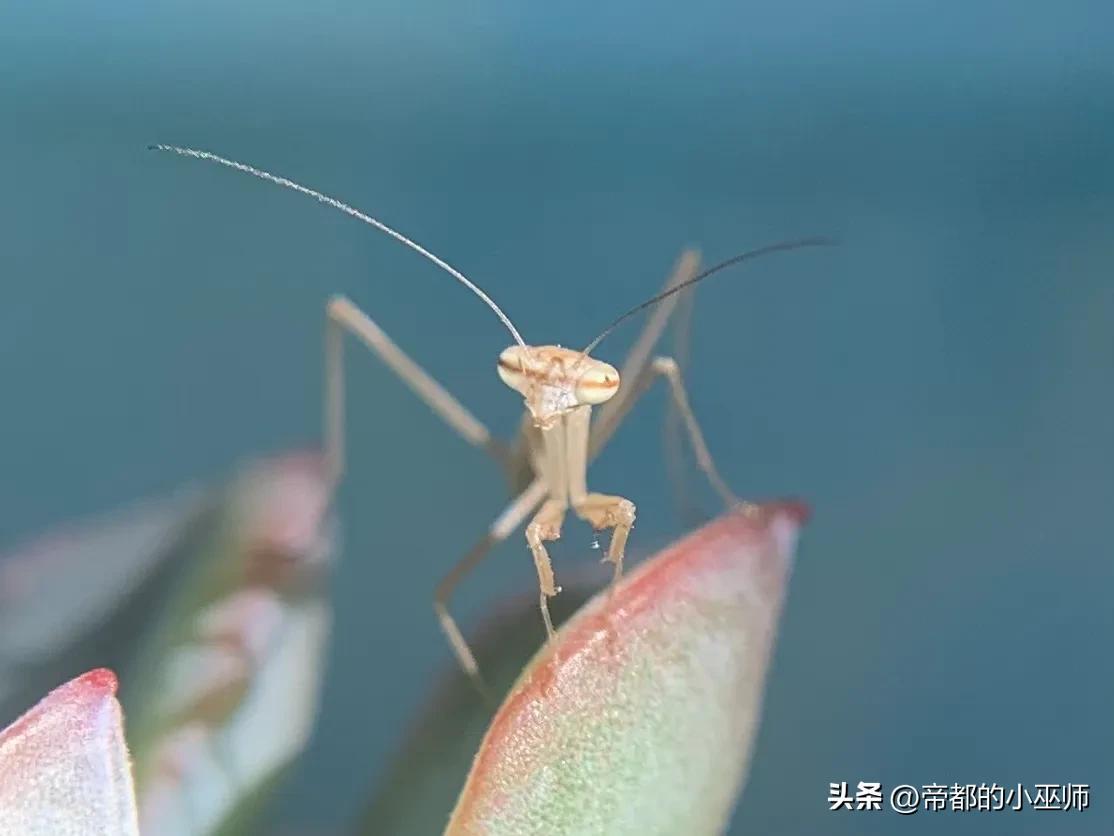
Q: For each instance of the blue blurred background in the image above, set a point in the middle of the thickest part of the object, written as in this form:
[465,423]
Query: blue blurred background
[939,388]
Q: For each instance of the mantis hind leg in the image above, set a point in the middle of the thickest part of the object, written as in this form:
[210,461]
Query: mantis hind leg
[500,529]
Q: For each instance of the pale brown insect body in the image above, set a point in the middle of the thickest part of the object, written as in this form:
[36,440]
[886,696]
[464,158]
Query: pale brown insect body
[559,386]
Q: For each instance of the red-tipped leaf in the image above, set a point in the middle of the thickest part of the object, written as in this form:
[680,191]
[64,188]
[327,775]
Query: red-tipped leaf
[639,719]
[64,767]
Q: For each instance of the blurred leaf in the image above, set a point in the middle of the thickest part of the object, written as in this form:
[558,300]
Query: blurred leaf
[64,767]
[75,599]
[225,692]
[640,719]
[414,797]
[213,605]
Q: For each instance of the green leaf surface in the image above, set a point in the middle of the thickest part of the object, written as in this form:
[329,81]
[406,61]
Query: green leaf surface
[640,718]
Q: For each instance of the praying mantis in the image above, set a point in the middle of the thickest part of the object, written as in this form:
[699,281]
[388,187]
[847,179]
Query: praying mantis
[557,438]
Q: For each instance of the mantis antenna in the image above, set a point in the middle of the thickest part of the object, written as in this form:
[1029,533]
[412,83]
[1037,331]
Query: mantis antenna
[769,248]
[348,210]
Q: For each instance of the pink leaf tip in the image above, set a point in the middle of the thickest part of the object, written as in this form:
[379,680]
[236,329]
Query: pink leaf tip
[64,768]
[98,682]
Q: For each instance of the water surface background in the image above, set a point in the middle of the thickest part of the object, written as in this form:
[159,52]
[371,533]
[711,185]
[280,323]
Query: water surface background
[939,388]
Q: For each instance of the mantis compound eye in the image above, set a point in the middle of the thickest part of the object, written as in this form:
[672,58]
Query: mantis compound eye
[598,383]
[512,364]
